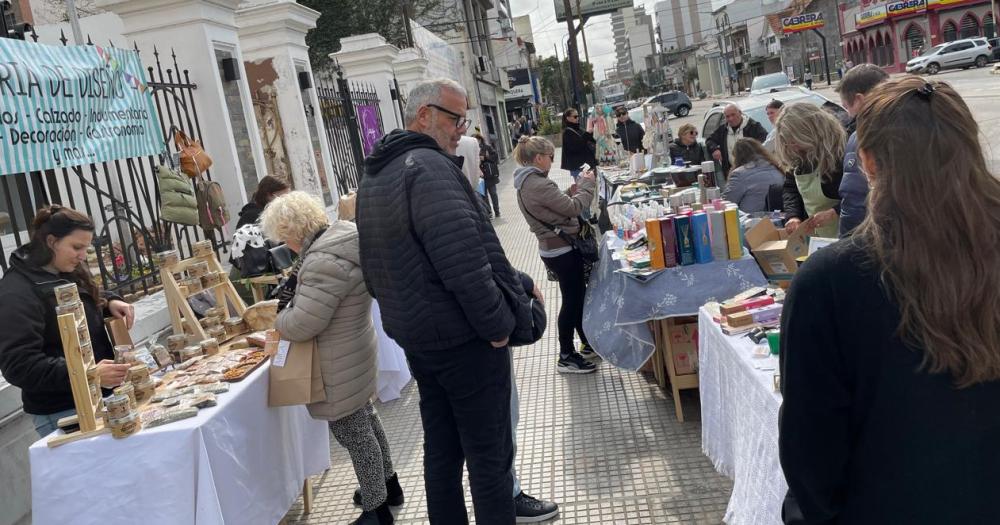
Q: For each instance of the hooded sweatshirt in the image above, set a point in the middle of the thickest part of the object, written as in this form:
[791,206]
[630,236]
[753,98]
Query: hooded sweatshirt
[31,357]
[541,201]
[428,250]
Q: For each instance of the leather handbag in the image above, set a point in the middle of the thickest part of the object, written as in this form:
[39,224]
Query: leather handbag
[584,242]
[194,161]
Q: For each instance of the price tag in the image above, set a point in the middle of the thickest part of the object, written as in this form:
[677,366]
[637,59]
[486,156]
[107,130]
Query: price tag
[279,358]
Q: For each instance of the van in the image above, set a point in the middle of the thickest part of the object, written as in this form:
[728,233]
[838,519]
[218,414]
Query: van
[963,53]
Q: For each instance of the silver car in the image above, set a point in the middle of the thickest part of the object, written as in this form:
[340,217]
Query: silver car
[963,53]
[755,106]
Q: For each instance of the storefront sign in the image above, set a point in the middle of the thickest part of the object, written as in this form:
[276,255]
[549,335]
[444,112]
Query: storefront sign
[68,106]
[907,7]
[871,16]
[589,7]
[803,22]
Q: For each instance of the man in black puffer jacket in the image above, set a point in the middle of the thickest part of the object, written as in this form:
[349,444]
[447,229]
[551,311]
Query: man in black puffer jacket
[430,257]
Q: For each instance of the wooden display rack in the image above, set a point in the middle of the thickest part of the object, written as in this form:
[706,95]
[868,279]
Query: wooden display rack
[181,313]
[663,365]
[86,412]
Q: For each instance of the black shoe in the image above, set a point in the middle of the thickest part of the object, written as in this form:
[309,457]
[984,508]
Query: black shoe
[394,492]
[575,364]
[588,353]
[380,516]
[532,510]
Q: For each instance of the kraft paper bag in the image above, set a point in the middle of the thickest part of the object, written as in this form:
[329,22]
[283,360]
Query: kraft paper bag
[348,207]
[295,377]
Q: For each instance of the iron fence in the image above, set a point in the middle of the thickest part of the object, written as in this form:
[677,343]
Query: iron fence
[340,102]
[121,196]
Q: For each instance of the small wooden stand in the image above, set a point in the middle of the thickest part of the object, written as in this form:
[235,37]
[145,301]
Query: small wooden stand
[181,314]
[663,360]
[86,412]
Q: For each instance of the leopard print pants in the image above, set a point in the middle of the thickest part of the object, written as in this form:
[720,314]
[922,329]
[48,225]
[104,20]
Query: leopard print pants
[362,435]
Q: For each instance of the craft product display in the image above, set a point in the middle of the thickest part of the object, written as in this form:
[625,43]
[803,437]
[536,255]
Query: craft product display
[125,426]
[144,390]
[210,322]
[83,332]
[167,259]
[190,352]
[217,311]
[75,308]
[137,374]
[212,279]
[66,294]
[191,284]
[117,405]
[236,326]
[202,249]
[197,269]
[87,353]
[161,355]
[210,346]
[219,333]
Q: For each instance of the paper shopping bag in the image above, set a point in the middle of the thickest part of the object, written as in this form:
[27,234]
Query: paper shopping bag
[295,377]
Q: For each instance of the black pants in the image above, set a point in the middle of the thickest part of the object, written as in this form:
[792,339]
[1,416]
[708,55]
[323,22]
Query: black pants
[491,193]
[568,267]
[465,410]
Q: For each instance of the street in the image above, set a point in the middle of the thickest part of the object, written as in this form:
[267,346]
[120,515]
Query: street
[977,87]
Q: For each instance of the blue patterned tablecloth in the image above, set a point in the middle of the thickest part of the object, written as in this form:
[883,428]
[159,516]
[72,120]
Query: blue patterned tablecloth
[618,307]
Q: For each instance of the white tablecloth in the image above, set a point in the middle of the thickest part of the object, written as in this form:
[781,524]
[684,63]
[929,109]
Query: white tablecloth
[240,462]
[739,423]
[393,369]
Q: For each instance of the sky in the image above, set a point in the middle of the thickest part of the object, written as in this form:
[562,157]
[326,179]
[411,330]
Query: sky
[600,39]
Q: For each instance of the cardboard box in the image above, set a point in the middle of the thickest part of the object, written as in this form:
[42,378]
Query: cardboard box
[733,235]
[655,244]
[685,240]
[684,342]
[669,238]
[749,304]
[739,319]
[776,251]
[702,238]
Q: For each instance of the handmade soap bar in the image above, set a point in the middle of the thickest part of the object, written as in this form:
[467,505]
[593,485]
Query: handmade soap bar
[742,306]
[739,319]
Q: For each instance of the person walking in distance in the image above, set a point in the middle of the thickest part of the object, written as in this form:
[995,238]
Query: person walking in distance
[629,132]
[854,186]
[431,258]
[808,78]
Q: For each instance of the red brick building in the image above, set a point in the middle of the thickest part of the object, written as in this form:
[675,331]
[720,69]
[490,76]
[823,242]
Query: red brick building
[889,33]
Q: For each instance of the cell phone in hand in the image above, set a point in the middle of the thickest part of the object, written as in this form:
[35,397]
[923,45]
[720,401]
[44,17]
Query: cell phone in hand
[584,168]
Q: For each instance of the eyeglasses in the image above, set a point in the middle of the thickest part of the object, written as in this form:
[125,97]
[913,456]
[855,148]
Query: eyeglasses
[460,121]
[552,156]
[695,133]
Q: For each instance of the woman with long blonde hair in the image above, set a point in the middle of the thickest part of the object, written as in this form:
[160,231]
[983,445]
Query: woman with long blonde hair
[810,141]
[890,350]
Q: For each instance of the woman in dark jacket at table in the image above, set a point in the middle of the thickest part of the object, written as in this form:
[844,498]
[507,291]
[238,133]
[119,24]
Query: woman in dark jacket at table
[686,146]
[890,339]
[578,146]
[810,142]
[331,305]
[31,350]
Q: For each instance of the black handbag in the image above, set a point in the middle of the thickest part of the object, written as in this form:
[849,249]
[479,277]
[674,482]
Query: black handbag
[584,242]
[529,314]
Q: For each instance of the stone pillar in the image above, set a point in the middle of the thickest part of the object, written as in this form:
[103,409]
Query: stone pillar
[369,58]
[410,68]
[202,33]
[273,38]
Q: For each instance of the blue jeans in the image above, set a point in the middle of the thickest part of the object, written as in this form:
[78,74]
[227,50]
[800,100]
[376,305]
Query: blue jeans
[46,424]
[515,416]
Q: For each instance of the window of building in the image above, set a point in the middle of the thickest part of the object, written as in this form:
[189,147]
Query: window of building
[949,31]
[989,26]
[970,26]
[890,51]
[914,41]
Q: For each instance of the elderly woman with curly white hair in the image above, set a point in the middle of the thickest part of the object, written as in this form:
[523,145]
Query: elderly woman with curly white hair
[332,305]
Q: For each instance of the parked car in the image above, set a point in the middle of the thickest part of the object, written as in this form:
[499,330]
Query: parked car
[963,53]
[765,83]
[995,44]
[676,101]
[755,107]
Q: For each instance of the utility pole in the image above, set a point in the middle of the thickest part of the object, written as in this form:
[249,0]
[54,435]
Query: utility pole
[574,55]
[74,22]
[562,80]
[583,34]
[826,57]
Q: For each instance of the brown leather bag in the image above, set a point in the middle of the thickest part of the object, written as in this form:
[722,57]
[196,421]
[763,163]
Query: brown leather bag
[194,160]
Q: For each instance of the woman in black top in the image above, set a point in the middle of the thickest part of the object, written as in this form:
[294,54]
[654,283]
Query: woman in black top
[890,350]
[578,147]
[31,351]
[686,146]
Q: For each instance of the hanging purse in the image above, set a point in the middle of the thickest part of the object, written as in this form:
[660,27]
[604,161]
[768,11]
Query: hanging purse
[193,159]
[584,242]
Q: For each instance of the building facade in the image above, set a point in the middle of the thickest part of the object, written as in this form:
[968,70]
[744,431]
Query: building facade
[634,39]
[891,33]
[682,23]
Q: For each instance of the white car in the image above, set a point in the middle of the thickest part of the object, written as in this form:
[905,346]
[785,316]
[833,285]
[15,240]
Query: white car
[765,83]
[755,107]
[963,53]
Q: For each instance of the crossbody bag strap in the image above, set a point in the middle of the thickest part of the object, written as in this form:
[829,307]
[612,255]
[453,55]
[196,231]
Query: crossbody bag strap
[562,235]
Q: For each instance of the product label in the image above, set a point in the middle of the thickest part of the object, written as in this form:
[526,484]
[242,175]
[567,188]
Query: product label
[279,358]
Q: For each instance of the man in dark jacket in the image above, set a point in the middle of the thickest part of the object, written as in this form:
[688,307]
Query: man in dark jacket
[854,186]
[629,132]
[723,140]
[432,260]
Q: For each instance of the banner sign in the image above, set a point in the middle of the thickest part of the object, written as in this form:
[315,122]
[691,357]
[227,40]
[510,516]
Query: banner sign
[803,22]
[907,7]
[69,106]
[871,16]
[944,4]
[589,7]
[368,120]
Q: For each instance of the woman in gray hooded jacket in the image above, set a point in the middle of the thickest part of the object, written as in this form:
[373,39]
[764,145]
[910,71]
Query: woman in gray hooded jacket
[545,207]
[332,305]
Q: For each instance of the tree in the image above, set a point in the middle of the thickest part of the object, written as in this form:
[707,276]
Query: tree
[343,18]
[554,80]
[639,88]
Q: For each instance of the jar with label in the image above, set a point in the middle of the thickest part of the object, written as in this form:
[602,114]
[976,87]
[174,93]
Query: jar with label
[210,346]
[123,354]
[216,311]
[83,332]
[145,390]
[202,249]
[167,259]
[92,376]
[161,355]
[125,426]
[95,392]
[117,405]
[87,352]
[190,352]
[66,294]
[193,285]
[213,279]
[197,269]
[219,333]
[235,326]
[137,374]
[75,308]
[210,322]
[126,389]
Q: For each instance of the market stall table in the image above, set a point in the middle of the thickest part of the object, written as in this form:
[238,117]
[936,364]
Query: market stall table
[618,308]
[739,423]
[238,462]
